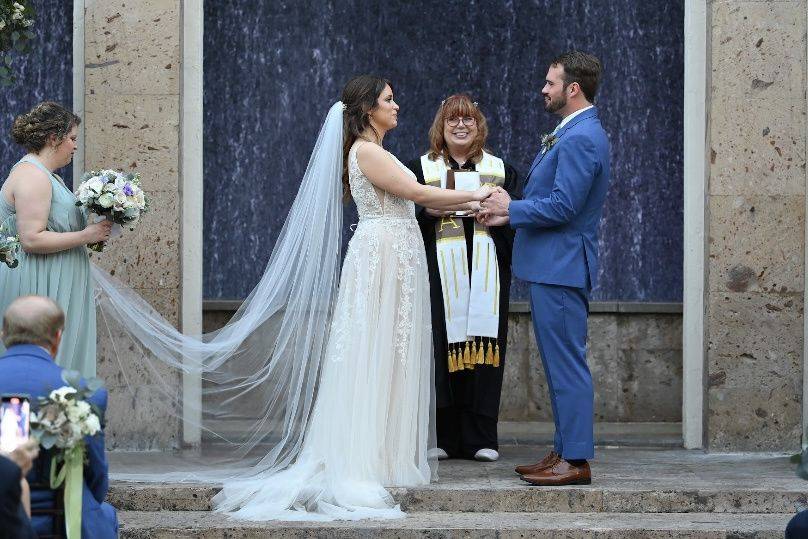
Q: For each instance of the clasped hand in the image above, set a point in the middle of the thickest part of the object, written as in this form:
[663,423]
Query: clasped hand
[489,207]
[493,210]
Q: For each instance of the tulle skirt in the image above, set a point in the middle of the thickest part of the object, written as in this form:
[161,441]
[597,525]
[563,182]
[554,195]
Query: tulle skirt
[373,418]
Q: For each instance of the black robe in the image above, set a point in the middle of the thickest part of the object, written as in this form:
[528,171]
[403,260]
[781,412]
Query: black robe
[477,390]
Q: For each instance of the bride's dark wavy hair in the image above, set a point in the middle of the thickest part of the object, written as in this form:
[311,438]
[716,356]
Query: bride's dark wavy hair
[359,97]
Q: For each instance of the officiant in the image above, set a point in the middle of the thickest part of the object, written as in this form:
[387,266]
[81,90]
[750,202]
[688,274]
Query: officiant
[470,275]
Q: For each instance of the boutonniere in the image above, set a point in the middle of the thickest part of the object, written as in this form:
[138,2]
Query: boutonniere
[548,141]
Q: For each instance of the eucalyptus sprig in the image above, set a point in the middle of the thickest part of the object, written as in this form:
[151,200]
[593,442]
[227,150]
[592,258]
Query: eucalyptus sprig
[16,20]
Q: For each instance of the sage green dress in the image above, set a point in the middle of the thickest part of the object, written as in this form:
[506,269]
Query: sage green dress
[63,276]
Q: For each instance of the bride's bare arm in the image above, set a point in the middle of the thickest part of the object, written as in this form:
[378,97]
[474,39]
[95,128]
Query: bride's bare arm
[385,174]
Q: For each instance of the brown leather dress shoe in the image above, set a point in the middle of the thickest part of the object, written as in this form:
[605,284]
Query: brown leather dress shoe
[561,473]
[548,460]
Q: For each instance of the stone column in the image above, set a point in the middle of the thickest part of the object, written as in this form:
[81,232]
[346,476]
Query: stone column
[132,113]
[755,225]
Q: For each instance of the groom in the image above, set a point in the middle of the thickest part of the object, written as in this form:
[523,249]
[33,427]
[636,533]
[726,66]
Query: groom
[556,251]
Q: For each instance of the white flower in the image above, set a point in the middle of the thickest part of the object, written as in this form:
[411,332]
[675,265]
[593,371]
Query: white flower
[92,425]
[16,16]
[77,411]
[84,408]
[18,7]
[73,414]
[106,200]
[95,185]
[2,24]
[28,23]
[60,395]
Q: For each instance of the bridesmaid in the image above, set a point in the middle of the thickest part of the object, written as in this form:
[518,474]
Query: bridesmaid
[53,231]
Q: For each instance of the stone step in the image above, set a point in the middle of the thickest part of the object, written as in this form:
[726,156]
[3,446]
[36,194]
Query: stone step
[207,525]
[443,498]
[634,434]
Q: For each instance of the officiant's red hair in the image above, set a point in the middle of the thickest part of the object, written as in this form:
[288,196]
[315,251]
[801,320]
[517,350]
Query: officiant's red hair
[457,106]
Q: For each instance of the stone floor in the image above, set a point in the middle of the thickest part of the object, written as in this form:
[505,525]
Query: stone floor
[636,492]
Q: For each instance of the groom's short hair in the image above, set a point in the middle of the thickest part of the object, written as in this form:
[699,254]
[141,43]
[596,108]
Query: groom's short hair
[582,68]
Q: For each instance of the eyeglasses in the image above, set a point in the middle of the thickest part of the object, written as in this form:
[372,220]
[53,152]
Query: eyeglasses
[468,121]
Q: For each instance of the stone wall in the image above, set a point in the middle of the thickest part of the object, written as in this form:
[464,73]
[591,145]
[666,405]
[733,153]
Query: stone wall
[131,122]
[755,224]
[635,359]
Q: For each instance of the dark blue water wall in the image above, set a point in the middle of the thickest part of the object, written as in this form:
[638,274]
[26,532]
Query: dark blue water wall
[272,70]
[43,74]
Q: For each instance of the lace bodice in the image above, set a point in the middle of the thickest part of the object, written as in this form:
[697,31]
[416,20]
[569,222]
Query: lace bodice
[369,203]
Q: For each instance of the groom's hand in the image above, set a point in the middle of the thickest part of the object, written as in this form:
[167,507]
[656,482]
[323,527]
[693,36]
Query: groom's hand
[497,204]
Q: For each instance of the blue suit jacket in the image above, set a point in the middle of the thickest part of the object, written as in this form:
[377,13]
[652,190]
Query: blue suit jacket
[28,369]
[557,221]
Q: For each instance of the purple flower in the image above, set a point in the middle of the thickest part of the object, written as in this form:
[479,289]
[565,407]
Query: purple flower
[127,190]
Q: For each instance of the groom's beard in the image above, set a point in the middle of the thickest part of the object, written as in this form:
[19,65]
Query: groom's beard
[554,105]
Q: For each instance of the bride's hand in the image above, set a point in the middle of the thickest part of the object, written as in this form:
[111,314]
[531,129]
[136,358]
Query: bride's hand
[474,207]
[482,193]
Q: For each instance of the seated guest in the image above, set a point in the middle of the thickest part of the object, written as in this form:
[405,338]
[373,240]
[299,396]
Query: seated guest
[15,498]
[32,331]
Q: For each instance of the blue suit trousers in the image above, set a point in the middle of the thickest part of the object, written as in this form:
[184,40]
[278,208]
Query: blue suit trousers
[560,323]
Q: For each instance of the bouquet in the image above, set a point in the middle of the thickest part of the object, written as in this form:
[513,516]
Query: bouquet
[16,20]
[114,195]
[9,247]
[62,420]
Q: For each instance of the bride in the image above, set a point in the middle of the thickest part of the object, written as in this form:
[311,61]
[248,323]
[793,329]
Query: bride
[371,423]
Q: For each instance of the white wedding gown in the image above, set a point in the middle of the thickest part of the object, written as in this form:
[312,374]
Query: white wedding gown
[371,421]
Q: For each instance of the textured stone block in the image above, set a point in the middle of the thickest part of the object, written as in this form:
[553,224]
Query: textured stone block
[136,134]
[757,146]
[755,341]
[148,256]
[635,360]
[758,50]
[143,418]
[516,386]
[132,49]
[752,419]
[756,243]
[754,371]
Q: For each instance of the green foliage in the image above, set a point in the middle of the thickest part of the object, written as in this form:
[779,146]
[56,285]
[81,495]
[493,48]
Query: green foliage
[16,20]
[801,460]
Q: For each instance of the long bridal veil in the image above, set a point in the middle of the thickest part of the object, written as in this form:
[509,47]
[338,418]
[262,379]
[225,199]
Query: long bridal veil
[259,374]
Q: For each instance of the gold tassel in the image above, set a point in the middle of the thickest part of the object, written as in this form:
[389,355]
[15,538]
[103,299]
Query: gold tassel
[489,353]
[480,354]
[458,360]
[450,358]
[496,356]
